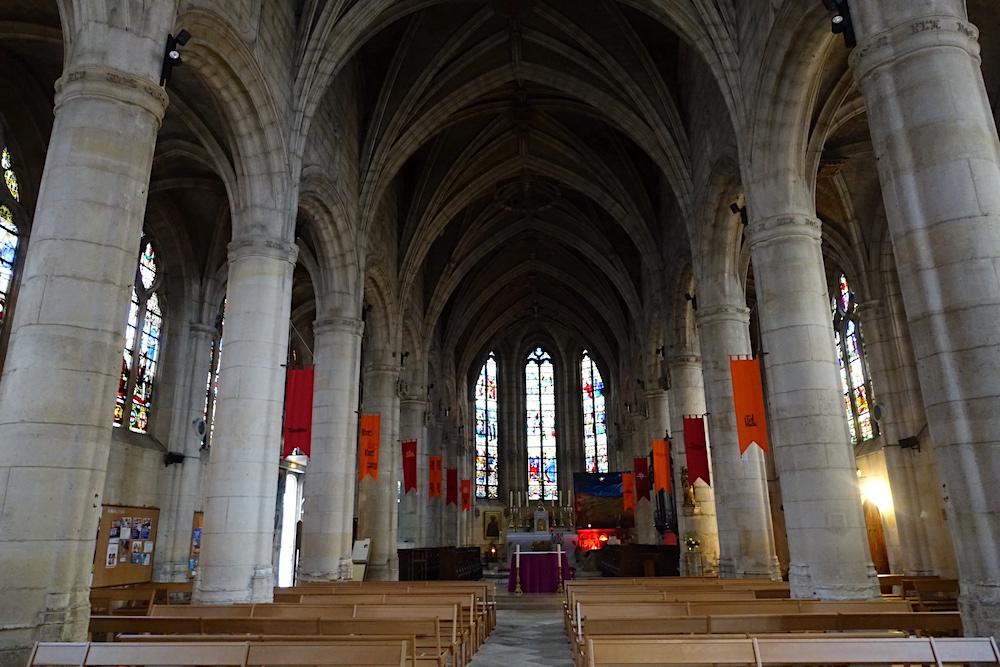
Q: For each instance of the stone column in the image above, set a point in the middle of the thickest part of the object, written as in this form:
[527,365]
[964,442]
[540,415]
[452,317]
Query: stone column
[938,156]
[67,333]
[687,397]
[183,496]
[411,427]
[746,535]
[434,505]
[237,539]
[377,504]
[827,537]
[656,428]
[328,516]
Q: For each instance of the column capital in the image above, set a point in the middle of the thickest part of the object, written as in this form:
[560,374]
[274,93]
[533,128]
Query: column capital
[113,84]
[347,325]
[263,246]
[727,313]
[201,329]
[683,360]
[913,35]
[387,369]
[873,308]
[783,226]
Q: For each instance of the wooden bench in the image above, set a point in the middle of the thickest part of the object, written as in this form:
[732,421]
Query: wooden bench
[934,594]
[121,601]
[617,652]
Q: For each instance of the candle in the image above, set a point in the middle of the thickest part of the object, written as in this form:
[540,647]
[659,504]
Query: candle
[518,557]
[511,503]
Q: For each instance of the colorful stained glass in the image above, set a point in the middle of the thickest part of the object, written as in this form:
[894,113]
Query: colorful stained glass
[595,439]
[486,430]
[140,354]
[8,253]
[540,418]
[852,365]
[8,174]
[212,384]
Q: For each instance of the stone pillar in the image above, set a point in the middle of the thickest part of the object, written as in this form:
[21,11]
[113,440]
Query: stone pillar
[746,535]
[237,539]
[411,427]
[328,516]
[938,155]
[377,501]
[656,427]
[67,333]
[183,496]
[434,505]
[687,397]
[827,537]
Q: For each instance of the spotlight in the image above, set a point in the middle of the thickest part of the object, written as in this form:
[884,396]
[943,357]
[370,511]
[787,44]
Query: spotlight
[734,208]
[841,23]
[171,56]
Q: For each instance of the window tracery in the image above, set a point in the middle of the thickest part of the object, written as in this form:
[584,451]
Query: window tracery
[852,364]
[540,403]
[486,430]
[595,438]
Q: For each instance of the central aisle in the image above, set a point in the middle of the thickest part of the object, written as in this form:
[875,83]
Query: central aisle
[526,637]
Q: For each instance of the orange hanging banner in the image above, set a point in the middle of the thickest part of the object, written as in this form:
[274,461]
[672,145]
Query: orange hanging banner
[748,395]
[466,495]
[434,477]
[628,491]
[661,466]
[369,446]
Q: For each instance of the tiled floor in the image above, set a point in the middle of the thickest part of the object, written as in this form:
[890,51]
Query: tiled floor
[529,638]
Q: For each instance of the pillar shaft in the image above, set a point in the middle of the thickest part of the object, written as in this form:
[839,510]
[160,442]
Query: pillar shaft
[827,537]
[687,397]
[183,497]
[746,537]
[328,518]
[67,333]
[411,505]
[237,539]
[377,506]
[938,156]
[656,425]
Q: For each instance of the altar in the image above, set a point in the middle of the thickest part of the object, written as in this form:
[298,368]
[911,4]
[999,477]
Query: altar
[539,571]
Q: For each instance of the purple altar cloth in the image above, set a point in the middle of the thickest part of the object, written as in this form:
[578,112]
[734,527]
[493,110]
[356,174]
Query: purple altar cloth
[538,572]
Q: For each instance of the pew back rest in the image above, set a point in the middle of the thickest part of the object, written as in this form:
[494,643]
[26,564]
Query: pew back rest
[290,654]
[204,654]
[58,653]
[199,611]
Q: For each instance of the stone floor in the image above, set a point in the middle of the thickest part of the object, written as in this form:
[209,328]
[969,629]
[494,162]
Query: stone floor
[526,637]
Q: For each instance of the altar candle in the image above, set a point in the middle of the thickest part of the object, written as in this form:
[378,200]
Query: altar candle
[518,557]
[511,503]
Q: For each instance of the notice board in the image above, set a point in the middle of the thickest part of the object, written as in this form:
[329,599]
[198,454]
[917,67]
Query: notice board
[126,538]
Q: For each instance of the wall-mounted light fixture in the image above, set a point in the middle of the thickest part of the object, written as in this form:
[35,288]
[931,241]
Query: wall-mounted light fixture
[171,56]
[742,211]
[693,299]
[662,352]
[402,358]
[841,23]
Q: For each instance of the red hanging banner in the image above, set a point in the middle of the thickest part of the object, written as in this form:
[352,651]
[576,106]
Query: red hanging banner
[661,466]
[628,491]
[466,495]
[369,446]
[748,395]
[641,465]
[696,448]
[409,466]
[452,492]
[298,410]
[434,477]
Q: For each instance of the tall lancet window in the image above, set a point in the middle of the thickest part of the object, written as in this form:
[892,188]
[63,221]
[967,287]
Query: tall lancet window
[486,430]
[853,367]
[212,384]
[9,234]
[540,400]
[595,436]
[141,354]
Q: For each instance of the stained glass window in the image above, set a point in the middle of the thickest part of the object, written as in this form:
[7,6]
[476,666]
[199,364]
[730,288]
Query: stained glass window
[540,400]
[595,436]
[8,253]
[486,430]
[212,384]
[853,367]
[8,173]
[141,352]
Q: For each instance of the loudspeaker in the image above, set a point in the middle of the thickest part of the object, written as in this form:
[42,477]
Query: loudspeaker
[909,443]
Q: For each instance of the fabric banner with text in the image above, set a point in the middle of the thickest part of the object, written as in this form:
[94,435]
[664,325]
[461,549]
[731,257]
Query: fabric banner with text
[661,466]
[369,446]
[409,466]
[748,395]
[466,495]
[298,410]
[434,477]
[696,447]
[628,491]
[452,492]
[641,465]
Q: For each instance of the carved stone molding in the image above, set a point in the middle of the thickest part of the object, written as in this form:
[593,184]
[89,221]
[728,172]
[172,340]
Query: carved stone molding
[345,325]
[783,226]
[920,33]
[261,246]
[714,314]
[113,84]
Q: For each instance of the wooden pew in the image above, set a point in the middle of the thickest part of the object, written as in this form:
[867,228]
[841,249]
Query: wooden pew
[58,653]
[290,654]
[934,594]
[112,601]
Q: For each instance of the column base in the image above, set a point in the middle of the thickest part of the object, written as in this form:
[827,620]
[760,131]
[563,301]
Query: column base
[804,585]
[172,572]
[745,568]
[65,618]
[259,588]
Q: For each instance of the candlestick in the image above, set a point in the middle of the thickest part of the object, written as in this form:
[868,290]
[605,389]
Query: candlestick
[517,589]
[559,574]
